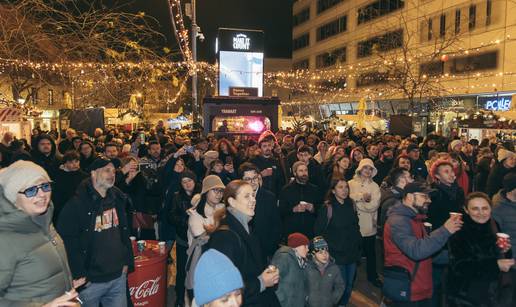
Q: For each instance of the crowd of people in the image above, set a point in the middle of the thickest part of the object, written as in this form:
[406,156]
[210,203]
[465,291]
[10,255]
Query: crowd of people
[283,219]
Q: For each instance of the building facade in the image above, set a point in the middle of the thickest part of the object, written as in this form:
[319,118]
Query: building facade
[456,53]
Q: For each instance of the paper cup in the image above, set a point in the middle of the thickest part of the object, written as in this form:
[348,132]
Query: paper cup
[162,247]
[502,240]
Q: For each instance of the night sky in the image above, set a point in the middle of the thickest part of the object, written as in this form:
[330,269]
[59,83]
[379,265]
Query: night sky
[272,16]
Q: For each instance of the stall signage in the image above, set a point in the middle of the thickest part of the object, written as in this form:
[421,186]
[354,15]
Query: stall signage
[243,91]
[500,103]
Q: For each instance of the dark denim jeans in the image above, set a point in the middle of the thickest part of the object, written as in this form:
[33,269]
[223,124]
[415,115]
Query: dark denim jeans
[348,272]
[111,293]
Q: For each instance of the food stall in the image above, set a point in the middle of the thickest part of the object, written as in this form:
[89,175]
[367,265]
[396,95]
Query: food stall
[13,120]
[244,115]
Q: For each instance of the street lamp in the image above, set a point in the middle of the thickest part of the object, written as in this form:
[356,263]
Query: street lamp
[196,34]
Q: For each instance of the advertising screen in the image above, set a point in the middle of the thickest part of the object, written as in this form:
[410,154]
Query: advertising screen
[240,54]
[240,69]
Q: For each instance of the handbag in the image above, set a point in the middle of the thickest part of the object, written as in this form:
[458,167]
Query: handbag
[397,282]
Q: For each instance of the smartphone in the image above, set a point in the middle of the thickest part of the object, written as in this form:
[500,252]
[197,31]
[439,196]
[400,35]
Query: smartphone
[142,137]
[190,149]
[142,167]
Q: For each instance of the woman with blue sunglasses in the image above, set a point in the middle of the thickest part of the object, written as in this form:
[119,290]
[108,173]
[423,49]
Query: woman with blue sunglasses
[33,260]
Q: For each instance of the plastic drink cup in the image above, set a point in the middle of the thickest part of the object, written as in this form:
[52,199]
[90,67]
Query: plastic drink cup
[133,242]
[428,227]
[162,247]
[140,245]
[502,240]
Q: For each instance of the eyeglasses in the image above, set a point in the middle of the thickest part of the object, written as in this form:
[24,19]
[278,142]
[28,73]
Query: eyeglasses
[248,179]
[218,191]
[33,191]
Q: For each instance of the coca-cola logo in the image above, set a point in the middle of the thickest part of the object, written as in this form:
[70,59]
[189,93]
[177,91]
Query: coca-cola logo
[145,289]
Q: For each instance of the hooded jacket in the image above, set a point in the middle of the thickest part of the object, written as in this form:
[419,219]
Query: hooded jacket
[33,265]
[324,288]
[367,211]
[405,241]
[51,162]
[291,290]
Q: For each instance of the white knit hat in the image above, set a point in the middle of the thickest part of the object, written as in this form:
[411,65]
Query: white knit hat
[455,143]
[19,176]
[504,154]
[366,162]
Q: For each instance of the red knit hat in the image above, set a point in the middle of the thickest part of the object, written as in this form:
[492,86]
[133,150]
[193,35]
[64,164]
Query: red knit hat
[297,239]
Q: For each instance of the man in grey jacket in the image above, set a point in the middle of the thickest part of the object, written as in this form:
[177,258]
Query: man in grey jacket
[504,213]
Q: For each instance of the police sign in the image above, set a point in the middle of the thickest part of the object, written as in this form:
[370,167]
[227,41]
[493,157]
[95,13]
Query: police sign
[496,103]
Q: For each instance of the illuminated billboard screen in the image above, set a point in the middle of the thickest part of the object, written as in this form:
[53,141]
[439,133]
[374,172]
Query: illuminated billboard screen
[240,69]
[240,55]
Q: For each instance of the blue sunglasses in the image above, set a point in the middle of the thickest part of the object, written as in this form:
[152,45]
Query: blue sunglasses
[33,191]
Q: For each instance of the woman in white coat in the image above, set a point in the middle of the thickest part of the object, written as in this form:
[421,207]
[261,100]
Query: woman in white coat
[366,195]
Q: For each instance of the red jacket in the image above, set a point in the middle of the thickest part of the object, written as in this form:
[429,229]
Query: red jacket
[406,241]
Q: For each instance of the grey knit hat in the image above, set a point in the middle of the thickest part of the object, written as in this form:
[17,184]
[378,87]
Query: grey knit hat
[19,176]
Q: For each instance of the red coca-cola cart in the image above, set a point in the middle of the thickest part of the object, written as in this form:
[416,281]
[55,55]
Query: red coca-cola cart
[148,282]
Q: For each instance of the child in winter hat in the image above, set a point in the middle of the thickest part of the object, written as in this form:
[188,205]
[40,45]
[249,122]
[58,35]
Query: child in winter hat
[217,278]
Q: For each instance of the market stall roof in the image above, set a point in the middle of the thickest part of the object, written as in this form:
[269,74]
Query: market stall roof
[11,115]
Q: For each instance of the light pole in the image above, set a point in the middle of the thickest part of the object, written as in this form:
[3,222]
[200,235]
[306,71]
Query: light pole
[195,31]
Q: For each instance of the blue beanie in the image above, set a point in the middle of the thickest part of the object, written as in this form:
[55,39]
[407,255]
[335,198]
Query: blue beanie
[215,275]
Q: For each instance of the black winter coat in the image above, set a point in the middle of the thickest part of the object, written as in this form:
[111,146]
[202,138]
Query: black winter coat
[342,232]
[495,178]
[178,217]
[473,270]
[444,200]
[302,222]
[483,169]
[266,223]
[275,182]
[64,187]
[77,223]
[244,251]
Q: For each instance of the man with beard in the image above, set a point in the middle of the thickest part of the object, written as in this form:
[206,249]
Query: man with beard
[266,223]
[384,164]
[93,226]
[315,175]
[287,145]
[44,154]
[409,246]
[111,152]
[269,166]
[298,203]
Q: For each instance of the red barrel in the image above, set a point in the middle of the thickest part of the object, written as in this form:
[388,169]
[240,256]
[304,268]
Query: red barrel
[148,282]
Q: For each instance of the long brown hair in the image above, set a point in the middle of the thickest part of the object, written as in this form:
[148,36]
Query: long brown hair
[219,216]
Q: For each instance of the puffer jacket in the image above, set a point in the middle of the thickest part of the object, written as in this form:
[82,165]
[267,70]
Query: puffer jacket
[291,289]
[324,287]
[33,265]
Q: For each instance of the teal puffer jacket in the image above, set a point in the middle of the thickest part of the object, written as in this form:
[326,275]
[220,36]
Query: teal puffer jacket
[33,264]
